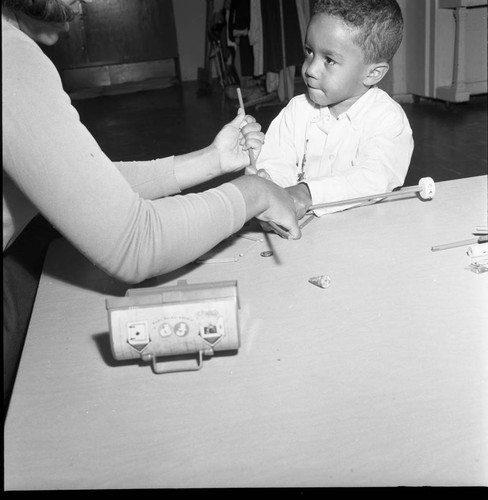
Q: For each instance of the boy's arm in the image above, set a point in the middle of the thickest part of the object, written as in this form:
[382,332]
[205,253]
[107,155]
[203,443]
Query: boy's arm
[279,153]
[381,164]
[302,198]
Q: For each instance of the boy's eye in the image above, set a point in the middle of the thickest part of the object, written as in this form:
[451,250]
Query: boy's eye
[307,51]
[329,61]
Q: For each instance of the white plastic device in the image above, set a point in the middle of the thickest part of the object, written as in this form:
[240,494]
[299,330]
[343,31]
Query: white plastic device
[174,321]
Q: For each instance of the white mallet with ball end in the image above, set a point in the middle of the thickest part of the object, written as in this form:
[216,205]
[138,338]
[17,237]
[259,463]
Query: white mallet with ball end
[425,189]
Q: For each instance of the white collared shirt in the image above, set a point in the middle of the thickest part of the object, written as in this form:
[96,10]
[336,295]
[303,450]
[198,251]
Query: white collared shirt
[366,150]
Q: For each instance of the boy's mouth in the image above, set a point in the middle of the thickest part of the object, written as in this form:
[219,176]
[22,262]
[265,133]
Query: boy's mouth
[314,89]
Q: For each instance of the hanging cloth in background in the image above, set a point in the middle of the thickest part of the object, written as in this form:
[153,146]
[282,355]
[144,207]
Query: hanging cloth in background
[279,69]
[260,49]
[303,11]
[239,26]
[247,15]
[272,35]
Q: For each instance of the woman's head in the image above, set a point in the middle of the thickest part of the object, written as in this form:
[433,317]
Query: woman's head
[56,11]
[44,20]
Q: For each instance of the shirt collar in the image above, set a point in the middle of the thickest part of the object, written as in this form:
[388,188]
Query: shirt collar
[359,108]
[354,114]
[322,115]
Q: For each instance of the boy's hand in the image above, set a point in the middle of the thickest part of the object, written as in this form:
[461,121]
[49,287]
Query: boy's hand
[260,173]
[302,198]
[235,140]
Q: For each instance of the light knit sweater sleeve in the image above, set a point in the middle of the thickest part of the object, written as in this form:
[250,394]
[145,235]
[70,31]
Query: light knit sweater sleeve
[59,167]
[150,179]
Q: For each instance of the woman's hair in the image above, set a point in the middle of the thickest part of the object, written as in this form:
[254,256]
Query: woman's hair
[54,11]
[377,25]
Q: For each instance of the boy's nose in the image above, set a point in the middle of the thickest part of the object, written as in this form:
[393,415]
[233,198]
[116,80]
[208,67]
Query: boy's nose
[310,70]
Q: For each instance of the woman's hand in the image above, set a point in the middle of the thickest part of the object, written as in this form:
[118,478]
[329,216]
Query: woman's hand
[235,140]
[301,198]
[269,202]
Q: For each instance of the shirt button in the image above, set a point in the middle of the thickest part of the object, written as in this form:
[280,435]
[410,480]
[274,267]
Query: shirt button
[331,157]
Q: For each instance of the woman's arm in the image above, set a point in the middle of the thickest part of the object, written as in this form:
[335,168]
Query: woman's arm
[59,167]
[227,153]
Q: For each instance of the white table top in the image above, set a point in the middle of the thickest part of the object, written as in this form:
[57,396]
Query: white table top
[379,380]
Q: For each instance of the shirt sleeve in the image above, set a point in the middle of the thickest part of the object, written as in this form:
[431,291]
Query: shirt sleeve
[380,163]
[279,154]
[60,168]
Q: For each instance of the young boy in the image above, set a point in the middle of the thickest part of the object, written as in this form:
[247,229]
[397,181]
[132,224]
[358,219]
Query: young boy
[345,138]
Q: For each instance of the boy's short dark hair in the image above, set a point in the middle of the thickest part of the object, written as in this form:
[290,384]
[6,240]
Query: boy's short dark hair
[54,11]
[378,25]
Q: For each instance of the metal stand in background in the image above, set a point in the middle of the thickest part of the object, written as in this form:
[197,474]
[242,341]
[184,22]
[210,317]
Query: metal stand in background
[214,54]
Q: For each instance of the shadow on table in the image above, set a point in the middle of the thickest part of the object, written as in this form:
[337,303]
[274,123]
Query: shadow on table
[75,269]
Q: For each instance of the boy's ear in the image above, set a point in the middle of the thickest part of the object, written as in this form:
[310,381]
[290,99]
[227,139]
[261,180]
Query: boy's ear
[376,73]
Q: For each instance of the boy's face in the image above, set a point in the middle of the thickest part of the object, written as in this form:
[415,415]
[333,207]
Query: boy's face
[333,69]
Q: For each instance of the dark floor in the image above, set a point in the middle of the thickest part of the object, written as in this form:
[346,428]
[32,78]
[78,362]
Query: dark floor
[450,140]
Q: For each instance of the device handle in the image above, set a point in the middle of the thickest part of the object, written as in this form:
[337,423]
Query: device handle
[183,365]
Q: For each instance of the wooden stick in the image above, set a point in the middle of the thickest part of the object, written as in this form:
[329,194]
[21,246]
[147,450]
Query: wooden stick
[241,102]
[275,227]
[250,151]
[216,260]
[278,230]
[481,239]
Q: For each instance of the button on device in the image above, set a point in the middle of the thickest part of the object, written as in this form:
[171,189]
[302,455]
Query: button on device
[137,333]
